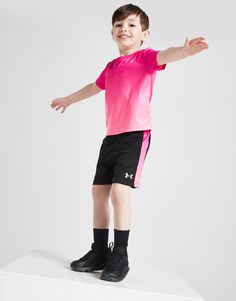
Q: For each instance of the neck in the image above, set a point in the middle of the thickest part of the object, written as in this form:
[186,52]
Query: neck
[128,51]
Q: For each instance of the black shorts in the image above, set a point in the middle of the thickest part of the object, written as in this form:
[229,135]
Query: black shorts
[121,158]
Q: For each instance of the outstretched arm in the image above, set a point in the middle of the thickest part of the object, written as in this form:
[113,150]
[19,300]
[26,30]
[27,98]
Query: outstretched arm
[64,102]
[190,47]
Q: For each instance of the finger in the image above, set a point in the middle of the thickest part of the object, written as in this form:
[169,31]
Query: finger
[197,40]
[201,48]
[54,104]
[202,45]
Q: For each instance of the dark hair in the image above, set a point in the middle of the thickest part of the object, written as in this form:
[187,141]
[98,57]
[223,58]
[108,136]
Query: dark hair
[129,9]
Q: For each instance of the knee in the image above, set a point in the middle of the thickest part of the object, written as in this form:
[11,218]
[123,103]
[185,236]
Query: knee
[97,192]
[100,193]
[114,197]
[119,194]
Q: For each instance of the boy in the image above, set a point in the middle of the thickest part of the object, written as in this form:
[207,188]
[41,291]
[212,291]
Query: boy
[128,82]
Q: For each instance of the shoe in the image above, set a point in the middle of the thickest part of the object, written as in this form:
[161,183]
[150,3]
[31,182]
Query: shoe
[117,266]
[95,259]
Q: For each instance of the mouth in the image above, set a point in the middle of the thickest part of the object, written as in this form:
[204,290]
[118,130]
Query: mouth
[123,36]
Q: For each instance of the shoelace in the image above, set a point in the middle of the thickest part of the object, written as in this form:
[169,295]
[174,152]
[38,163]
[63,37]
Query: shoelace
[111,244]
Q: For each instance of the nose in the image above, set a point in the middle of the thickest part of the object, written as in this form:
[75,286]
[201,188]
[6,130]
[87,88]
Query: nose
[123,28]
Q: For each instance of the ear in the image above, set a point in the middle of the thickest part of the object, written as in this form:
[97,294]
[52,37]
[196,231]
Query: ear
[146,34]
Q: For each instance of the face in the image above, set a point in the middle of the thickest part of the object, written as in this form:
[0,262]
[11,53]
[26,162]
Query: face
[128,33]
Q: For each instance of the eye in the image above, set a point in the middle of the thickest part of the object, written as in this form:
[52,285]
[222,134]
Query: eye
[117,25]
[132,25]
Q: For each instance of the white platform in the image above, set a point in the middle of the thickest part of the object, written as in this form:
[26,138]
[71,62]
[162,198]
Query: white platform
[43,276]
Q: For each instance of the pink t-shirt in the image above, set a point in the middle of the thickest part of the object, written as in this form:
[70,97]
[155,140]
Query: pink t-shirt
[128,83]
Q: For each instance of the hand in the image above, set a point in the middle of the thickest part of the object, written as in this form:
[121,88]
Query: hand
[194,46]
[60,103]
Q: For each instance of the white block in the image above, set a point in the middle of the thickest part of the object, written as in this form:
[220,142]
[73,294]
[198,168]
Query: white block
[43,276]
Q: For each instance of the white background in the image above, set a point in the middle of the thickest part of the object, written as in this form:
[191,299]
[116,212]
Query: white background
[184,211]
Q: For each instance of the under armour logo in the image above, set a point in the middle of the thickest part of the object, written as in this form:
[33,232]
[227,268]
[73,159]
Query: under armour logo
[129,176]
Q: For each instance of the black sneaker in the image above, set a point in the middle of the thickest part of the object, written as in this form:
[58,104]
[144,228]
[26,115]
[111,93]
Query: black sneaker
[117,266]
[95,259]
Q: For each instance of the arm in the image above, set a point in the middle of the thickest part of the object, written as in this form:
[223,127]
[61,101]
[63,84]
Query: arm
[85,92]
[177,53]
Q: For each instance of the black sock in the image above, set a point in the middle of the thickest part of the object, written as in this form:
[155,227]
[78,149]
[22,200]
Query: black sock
[100,238]
[121,238]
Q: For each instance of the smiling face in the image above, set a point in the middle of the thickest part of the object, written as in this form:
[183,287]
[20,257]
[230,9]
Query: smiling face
[128,34]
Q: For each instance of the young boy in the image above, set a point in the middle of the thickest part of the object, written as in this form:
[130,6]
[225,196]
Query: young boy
[128,82]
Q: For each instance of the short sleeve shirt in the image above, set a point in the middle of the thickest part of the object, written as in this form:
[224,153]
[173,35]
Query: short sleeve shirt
[128,83]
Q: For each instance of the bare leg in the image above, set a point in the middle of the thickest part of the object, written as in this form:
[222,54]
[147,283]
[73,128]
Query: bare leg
[120,197]
[101,212]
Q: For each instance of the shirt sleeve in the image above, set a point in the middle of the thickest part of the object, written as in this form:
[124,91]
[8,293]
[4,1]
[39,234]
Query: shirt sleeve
[150,60]
[101,80]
